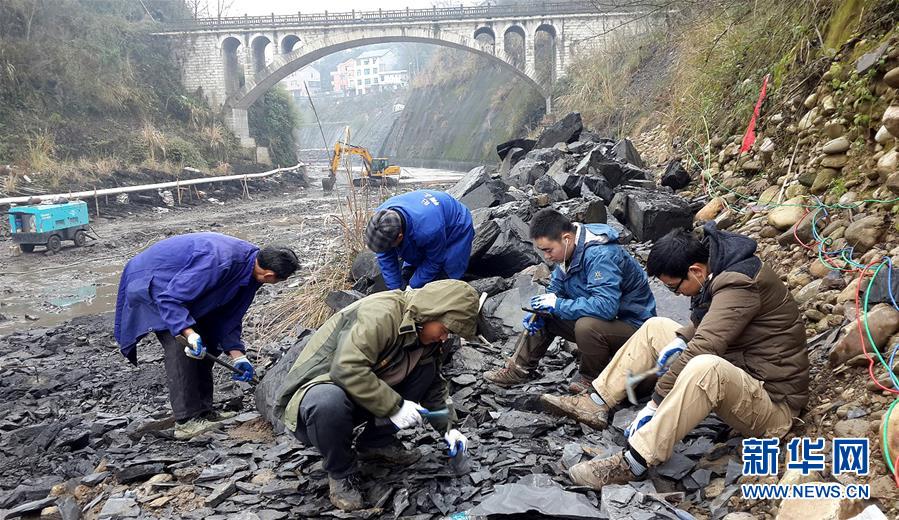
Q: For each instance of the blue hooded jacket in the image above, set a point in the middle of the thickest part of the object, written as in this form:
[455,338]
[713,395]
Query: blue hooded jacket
[602,280]
[181,280]
[436,239]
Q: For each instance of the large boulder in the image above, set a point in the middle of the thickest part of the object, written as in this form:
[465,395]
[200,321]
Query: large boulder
[485,232]
[547,185]
[525,145]
[625,151]
[570,182]
[650,214]
[588,211]
[675,176]
[478,189]
[527,171]
[510,251]
[565,130]
[593,186]
[337,300]
[366,273]
[491,285]
[268,390]
[501,315]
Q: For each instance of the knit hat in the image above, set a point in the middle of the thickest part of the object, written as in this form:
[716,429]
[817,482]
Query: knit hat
[382,230]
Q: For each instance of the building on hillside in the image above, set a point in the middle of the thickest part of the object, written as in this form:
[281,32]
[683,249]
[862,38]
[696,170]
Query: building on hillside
[393,79]
[293,83]
[369,66]
[343,80]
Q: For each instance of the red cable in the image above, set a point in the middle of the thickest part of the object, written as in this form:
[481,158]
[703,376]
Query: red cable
[861,334]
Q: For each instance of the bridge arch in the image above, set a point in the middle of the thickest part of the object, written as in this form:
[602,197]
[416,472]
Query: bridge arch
[545,51]
[486,39]
[515,46]
[288,42]
[232,70]
[306,53]
[258,44]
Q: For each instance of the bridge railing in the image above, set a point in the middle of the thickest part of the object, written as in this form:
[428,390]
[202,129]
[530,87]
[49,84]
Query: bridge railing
[404,15]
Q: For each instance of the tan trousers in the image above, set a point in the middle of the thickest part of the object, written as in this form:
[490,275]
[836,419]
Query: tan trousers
[707,384]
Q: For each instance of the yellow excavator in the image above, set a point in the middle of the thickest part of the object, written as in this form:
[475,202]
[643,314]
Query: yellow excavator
[375,170]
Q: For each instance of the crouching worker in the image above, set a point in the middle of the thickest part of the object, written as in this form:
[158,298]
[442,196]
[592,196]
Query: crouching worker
[197,286]
[598,297]
[376,362]
[743,356]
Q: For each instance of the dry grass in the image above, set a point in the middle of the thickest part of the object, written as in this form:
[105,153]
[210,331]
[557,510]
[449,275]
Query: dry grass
[155,141]
[306,306]
[39,151]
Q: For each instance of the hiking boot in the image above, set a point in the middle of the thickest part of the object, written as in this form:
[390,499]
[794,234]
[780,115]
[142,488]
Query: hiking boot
[582,408]
[218,416]
[394,453]
[345,493]
[580,384]
[599,472]
[194,427]
[509,375]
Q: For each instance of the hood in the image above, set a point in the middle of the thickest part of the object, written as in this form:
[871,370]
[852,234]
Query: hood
[589,235]
[726,248]
[451,302]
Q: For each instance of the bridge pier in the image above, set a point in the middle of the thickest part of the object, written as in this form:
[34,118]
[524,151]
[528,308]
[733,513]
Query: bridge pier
[238,122]
[549,104]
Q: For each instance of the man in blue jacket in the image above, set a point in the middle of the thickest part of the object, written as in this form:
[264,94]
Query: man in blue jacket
[430,232]
[598,297]
[198,286]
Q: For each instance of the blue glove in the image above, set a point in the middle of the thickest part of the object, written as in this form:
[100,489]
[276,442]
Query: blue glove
[643,417]
[666,356]
[532,323]
[243,364]
[544,302]
[195,348]
[456,442]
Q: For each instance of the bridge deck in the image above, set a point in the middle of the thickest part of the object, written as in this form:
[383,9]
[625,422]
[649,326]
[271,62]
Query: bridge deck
[407,15]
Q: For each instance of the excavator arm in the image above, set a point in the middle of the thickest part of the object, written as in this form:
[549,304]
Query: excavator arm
[343,148]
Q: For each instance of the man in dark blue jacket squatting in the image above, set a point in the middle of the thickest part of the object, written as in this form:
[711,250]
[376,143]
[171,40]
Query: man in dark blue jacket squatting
[598,297]
[198,286]
[430,232]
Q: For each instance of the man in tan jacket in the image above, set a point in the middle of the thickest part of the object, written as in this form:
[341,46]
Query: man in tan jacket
[376,362]
[743,356]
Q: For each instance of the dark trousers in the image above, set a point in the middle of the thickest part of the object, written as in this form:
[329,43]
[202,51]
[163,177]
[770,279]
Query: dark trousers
[328,415]
[189,380]
[597,340]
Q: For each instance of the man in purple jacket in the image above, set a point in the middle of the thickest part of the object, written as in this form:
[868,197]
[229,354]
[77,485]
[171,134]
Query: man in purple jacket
[198,286]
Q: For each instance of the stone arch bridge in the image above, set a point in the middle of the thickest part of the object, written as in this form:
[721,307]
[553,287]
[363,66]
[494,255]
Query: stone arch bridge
[225,58]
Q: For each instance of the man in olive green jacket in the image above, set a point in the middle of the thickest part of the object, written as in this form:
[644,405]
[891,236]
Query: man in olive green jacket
[376,361]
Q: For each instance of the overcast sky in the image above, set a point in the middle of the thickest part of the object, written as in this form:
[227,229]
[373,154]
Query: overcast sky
[259,7]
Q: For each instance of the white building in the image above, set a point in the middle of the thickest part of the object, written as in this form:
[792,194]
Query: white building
[369,66]
[393,79]
[294,82]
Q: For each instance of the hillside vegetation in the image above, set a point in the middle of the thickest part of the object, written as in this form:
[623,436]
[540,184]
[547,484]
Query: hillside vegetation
[86,93]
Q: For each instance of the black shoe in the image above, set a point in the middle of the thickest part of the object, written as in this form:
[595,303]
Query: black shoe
[345,493]
[394,453]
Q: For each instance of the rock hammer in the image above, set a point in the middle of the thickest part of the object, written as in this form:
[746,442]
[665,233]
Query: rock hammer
[632,380]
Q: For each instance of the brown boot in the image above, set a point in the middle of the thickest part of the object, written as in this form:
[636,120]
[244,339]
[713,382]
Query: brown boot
[599,472]
[509,375]
[393,453]
[579,407]
[580,384]
[344,492]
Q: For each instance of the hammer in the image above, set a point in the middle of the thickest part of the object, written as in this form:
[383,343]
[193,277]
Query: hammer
[219,361]
[632,380]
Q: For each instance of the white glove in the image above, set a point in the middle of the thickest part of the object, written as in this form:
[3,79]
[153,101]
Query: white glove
[544,302]
[453,438]
[643,417]
[195,348]
[408,416]
[666,356]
